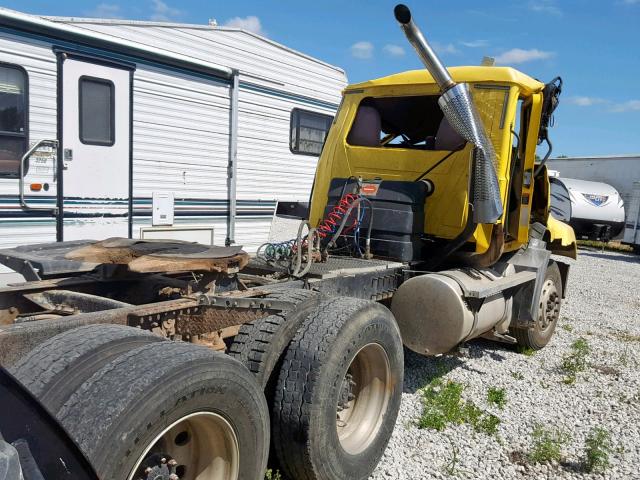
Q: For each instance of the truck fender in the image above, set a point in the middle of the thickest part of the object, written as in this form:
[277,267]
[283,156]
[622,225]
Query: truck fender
[562,238]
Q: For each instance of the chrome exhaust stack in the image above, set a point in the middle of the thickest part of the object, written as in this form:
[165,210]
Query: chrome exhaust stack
[457,105]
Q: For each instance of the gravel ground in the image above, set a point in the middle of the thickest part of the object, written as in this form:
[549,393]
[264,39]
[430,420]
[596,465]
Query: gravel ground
[603,307]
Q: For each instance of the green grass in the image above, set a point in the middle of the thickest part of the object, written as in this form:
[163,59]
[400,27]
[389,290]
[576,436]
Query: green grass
[547,444]
[526,351]
[597,449]
[272,475]
[566,327]
[627,337]
[497,397]
[443,405]
[517,375]
[624,358]
[451,467]
[575,361]
[611,246]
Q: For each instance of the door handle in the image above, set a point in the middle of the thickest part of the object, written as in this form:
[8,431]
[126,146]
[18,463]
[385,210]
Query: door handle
[67,156]
[53,144]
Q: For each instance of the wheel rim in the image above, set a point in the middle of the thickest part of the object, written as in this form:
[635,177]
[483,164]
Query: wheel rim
[201,446]
[364,397]
[549,306]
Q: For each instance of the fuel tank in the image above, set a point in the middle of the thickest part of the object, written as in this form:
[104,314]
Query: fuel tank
[434,316]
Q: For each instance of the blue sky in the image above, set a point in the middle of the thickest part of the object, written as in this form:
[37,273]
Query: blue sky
[593,45]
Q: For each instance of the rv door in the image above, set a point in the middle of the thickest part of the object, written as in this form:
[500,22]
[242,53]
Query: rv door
[96,118]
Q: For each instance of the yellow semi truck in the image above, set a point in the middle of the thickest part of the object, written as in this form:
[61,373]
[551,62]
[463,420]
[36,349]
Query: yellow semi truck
[428,226]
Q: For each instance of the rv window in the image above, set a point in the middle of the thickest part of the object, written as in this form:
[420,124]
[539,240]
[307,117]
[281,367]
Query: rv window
[308,131]
[13,118]
[97,115]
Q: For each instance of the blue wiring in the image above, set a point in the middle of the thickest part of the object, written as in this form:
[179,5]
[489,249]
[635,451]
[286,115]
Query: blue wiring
[356,232]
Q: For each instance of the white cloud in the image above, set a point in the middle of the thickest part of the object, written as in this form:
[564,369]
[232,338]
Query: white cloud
[105,10]
[250,23]
[582,101]
[443,48]
[162,12]
[545,6]
[362,50]
[518,55]
[628,106]
[475,44]
[393,50]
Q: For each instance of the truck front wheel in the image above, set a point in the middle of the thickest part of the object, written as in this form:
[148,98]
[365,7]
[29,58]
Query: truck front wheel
[338,391]
[538,335]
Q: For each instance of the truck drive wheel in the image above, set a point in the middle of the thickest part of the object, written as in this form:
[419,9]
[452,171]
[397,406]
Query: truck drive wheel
[260,344]
[537,336]
[57,367]
[171,408]
[338,391]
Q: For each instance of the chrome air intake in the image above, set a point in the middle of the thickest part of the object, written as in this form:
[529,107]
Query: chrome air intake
[457,105]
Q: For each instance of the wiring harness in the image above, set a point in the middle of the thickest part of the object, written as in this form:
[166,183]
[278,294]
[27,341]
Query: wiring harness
[291,255]
[335,224]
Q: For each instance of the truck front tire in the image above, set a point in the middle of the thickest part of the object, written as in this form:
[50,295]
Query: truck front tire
[550,301]
[338,392]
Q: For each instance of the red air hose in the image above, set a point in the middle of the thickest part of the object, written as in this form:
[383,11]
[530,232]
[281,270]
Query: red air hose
[332,222]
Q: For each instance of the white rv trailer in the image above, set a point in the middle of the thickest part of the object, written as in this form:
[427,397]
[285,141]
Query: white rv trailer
[595,210]
[632,224]
[162,130]
[619,171]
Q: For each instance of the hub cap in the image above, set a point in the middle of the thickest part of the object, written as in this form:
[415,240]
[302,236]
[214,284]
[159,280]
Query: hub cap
[363,398]
[549,305]
[199,446]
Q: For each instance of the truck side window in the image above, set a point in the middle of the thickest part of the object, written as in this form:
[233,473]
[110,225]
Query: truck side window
[308,131]
[97,111]
[13,118]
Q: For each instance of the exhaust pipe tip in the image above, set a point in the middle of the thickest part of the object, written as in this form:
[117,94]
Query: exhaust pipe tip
[402,14]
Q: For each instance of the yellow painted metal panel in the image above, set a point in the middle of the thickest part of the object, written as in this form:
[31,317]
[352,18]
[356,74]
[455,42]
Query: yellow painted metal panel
[495,90]
[472,74]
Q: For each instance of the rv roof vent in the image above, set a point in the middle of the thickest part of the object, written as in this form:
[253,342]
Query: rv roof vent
[213,22]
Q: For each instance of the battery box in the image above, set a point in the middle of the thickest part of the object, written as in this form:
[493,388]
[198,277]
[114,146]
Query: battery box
[398,216]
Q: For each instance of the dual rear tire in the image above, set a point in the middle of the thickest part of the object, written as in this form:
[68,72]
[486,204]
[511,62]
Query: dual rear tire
[335,385]
[136,404]
[338,392]
[130,408]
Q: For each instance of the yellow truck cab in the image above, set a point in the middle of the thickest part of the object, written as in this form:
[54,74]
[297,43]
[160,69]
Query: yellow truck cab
[392,128]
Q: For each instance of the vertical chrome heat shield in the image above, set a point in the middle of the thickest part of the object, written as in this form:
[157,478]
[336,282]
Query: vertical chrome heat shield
[457,105]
